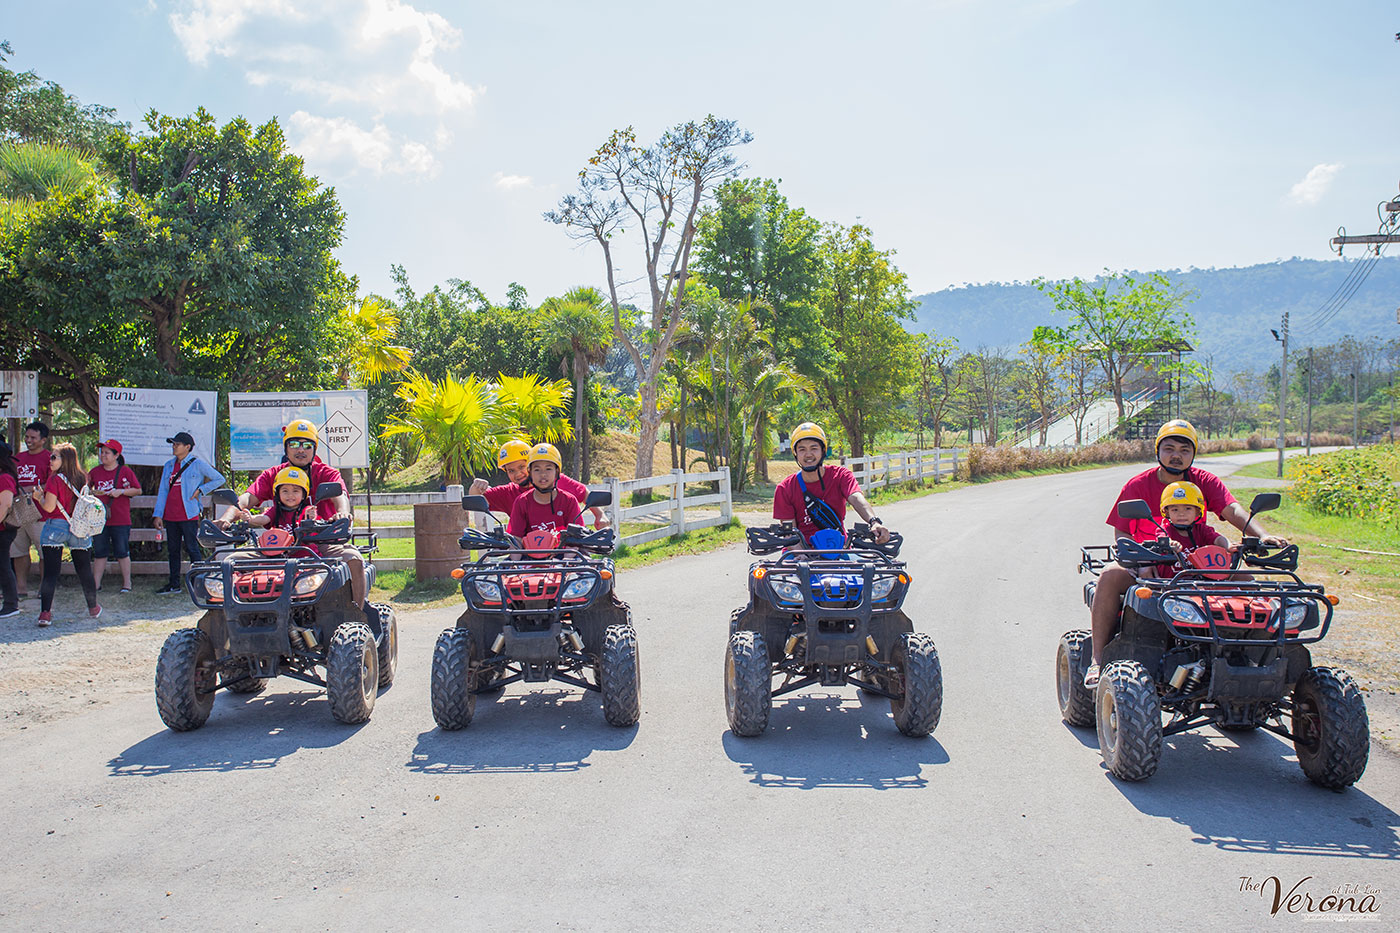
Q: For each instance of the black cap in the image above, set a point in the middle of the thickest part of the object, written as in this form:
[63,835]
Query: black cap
[181,437]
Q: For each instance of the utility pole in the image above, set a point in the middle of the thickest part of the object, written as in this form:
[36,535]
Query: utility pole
[1309,428]
[1283,394]
[1355,421]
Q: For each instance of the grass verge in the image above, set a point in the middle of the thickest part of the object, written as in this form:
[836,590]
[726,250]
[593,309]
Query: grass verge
[692,542]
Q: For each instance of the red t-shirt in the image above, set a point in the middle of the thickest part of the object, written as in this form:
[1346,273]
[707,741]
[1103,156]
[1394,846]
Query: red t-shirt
[59,488]
[527,515]
[174,498]
[288,519]
[261,488]
[7,482]
[1198,535]
[836,485]
[103,481]
[33,469]
[502,498]
[1148,487]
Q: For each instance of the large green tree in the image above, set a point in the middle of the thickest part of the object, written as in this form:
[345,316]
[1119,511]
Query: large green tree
[38,111]
[1122,322]
[863,298]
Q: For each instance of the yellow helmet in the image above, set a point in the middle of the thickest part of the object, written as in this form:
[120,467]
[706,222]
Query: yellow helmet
[548,453]
[300,428]
[291,476]
[1177,427]
[1183,494]
[512,451]
[806,430]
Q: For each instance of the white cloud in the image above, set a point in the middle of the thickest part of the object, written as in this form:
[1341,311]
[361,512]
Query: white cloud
[338,139]
[511,181]
[212,25]
[1315,184]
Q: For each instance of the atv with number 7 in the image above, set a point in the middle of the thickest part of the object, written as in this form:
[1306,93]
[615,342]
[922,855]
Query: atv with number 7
[273,606]
[829,615]
[1219,639]
[537,610]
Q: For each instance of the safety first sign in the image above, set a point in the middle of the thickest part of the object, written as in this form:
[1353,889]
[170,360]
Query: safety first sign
[19,394]
[256,420]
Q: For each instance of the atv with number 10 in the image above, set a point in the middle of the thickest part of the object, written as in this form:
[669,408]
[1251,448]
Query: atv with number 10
[273,607]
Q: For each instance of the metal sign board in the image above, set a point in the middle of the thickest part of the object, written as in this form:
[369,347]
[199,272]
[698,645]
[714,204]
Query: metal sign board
[256,420]
[19,394]
[142,419]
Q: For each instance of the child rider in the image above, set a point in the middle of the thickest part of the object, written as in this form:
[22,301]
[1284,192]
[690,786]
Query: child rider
[291,503]
[545,506]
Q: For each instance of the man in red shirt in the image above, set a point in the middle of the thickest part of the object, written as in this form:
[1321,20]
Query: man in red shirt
[32,468]
[545,505]
[832,486]
[299,442]
[513,459]
[1176,450]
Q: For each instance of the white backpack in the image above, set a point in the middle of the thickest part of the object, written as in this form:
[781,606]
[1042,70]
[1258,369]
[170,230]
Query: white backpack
[89,514]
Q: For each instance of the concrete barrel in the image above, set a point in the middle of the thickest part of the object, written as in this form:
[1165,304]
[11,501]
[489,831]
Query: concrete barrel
[436,528]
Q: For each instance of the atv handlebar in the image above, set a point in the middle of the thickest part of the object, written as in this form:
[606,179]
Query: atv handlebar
[474,539]
[773,538]
[861,536]
[600,541]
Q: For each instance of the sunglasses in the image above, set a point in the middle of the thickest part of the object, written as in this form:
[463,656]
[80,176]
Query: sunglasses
[53,457]
[301,445]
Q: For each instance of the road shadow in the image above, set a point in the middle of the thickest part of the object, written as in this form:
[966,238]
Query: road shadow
[540,732]
[243,733]
[832,740]
[1244,792]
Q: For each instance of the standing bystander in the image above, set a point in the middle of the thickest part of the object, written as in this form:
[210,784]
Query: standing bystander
[9,489]
[115,484]
[183,480]
[32,468]
[60,492]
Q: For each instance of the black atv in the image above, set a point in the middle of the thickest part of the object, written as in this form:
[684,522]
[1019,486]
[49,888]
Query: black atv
[1203,648]
[540,609]
[830,616]
[276,607]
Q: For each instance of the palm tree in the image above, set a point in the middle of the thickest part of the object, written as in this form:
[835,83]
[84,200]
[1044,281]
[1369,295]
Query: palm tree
[34,172]
[462,422]
[775,385]
[534,407]
[578,328]
[369,326]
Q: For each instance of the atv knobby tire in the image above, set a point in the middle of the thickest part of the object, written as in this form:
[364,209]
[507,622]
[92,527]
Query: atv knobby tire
[352,673]
[620,676]
[748,683]
[919,683]
[1331,731]
[389,645]
[185,680]
[1129,720]
[451,685]
[1071,661]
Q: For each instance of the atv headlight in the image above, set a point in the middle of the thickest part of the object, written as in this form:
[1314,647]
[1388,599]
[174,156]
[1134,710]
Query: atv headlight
[1294,615]
[578,588]
[310,583]
[881,589]
[214,586]
[785,590]
[488,591]
[1183,611]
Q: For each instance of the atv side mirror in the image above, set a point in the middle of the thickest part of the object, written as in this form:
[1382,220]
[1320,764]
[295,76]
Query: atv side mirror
[225,497]
[1134,508]
[475,504]
[326,491]
[1265,502]
[597,499]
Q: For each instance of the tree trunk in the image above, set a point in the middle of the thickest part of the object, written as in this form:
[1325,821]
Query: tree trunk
[650,426]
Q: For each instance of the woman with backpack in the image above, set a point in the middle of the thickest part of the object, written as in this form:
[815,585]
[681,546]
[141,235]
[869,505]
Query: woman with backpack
[9,527]
[59,496]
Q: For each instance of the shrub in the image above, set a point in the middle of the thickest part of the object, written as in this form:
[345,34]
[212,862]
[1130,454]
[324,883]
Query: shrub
[1352,483]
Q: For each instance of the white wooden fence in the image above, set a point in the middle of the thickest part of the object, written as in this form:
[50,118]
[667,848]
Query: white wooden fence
[672,507]
[880,470]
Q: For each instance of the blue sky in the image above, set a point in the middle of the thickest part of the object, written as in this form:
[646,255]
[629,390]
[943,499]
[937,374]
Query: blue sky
[982,141]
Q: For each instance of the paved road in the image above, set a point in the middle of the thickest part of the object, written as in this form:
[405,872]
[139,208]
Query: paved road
[540,816]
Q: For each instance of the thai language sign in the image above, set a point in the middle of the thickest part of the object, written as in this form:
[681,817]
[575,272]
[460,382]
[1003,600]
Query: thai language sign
[256,420]
[142,419]
[19,394]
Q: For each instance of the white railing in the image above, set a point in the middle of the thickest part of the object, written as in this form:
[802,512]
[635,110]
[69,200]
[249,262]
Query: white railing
[672,507]
[879,470]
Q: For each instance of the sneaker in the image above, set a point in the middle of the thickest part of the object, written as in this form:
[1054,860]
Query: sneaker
[126,589]
[45,619]
[1091,677]
[9,613]
[168,588]
[95,612]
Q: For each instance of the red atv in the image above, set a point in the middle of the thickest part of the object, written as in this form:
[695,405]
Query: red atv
[275,607]
[1221,642]
[537,610]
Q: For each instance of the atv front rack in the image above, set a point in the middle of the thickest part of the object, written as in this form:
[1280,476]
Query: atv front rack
[1193,587]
